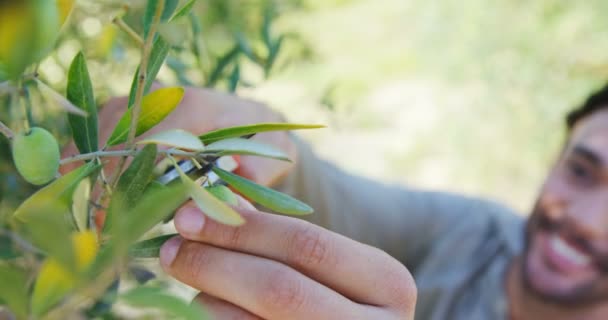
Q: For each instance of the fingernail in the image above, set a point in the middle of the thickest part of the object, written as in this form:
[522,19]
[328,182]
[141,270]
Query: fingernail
[189,221]
[169,250]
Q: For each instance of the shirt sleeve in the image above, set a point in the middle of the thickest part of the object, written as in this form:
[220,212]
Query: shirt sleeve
[404,222]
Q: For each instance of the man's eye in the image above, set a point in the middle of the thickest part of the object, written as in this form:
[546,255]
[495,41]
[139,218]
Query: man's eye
[579,173]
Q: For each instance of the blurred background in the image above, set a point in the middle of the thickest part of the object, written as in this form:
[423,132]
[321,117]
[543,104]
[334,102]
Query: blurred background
[460,95]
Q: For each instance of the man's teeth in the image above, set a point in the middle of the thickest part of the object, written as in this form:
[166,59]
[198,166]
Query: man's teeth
[568,252]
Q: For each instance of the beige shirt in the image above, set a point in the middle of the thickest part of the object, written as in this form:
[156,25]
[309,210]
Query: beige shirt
[457,248]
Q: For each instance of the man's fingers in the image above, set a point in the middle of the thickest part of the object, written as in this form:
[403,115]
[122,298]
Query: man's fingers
[263,287]
[223,310]
[360,272]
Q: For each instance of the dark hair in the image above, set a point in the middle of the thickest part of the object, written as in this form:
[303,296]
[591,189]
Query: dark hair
[595,102]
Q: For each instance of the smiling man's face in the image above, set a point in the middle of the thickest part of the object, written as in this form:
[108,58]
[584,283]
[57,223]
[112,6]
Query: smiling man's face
[566,257]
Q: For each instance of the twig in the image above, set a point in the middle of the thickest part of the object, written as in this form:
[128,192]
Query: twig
[141,79]
[124,153]
[128,30]
[6,131]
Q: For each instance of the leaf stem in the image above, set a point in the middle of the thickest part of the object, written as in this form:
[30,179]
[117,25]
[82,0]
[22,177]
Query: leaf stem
[119,22]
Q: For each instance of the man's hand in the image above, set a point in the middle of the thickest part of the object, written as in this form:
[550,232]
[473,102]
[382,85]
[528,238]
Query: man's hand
[277,267]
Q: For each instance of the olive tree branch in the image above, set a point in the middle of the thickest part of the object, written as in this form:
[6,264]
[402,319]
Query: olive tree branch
[139,93]
[124,153]
[128,30]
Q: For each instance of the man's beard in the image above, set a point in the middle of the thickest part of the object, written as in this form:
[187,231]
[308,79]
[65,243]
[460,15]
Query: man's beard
[588,293]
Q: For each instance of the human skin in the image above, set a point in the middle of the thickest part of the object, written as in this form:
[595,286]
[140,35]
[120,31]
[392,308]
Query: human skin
[273,267]
[563,272]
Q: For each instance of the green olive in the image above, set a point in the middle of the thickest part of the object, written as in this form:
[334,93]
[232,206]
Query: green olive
[36,155]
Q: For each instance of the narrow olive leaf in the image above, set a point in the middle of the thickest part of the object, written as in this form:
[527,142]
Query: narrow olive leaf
[236,132]
[80,204]
[14,291]
[160,50]
[223,193]
[273,54]
[155,107]
[245,147]
[149,248]
[267,197]
[55,98]
[49,229]
[183,11]
[235,77]
[151,209]
[60,190]
[221,65]
[141,274]
[132,183]
[245,47]
[80,93]
[175,138]
[156,298]
[210,205]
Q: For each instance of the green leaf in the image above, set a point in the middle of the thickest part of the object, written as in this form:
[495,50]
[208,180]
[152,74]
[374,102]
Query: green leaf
[80,93]
[60,190]
[184,10]
[236,132]
[50,229]
[245,47]
[156,298]
[223,193]
[160,50]
[7,248]
[221,65]
[80,204]
[155,107]
[14,290]
[175,138]
[210,205]
[267,197]
[245,147]
[149,248]
[132,183]
[151,209]
[273,54]
[234,79]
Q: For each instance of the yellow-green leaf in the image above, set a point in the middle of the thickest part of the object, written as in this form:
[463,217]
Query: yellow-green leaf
[267,197]
[55,281]
[245,147]
[80,204]
[154,108]
[236,132]
[175,138]
[211,206]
